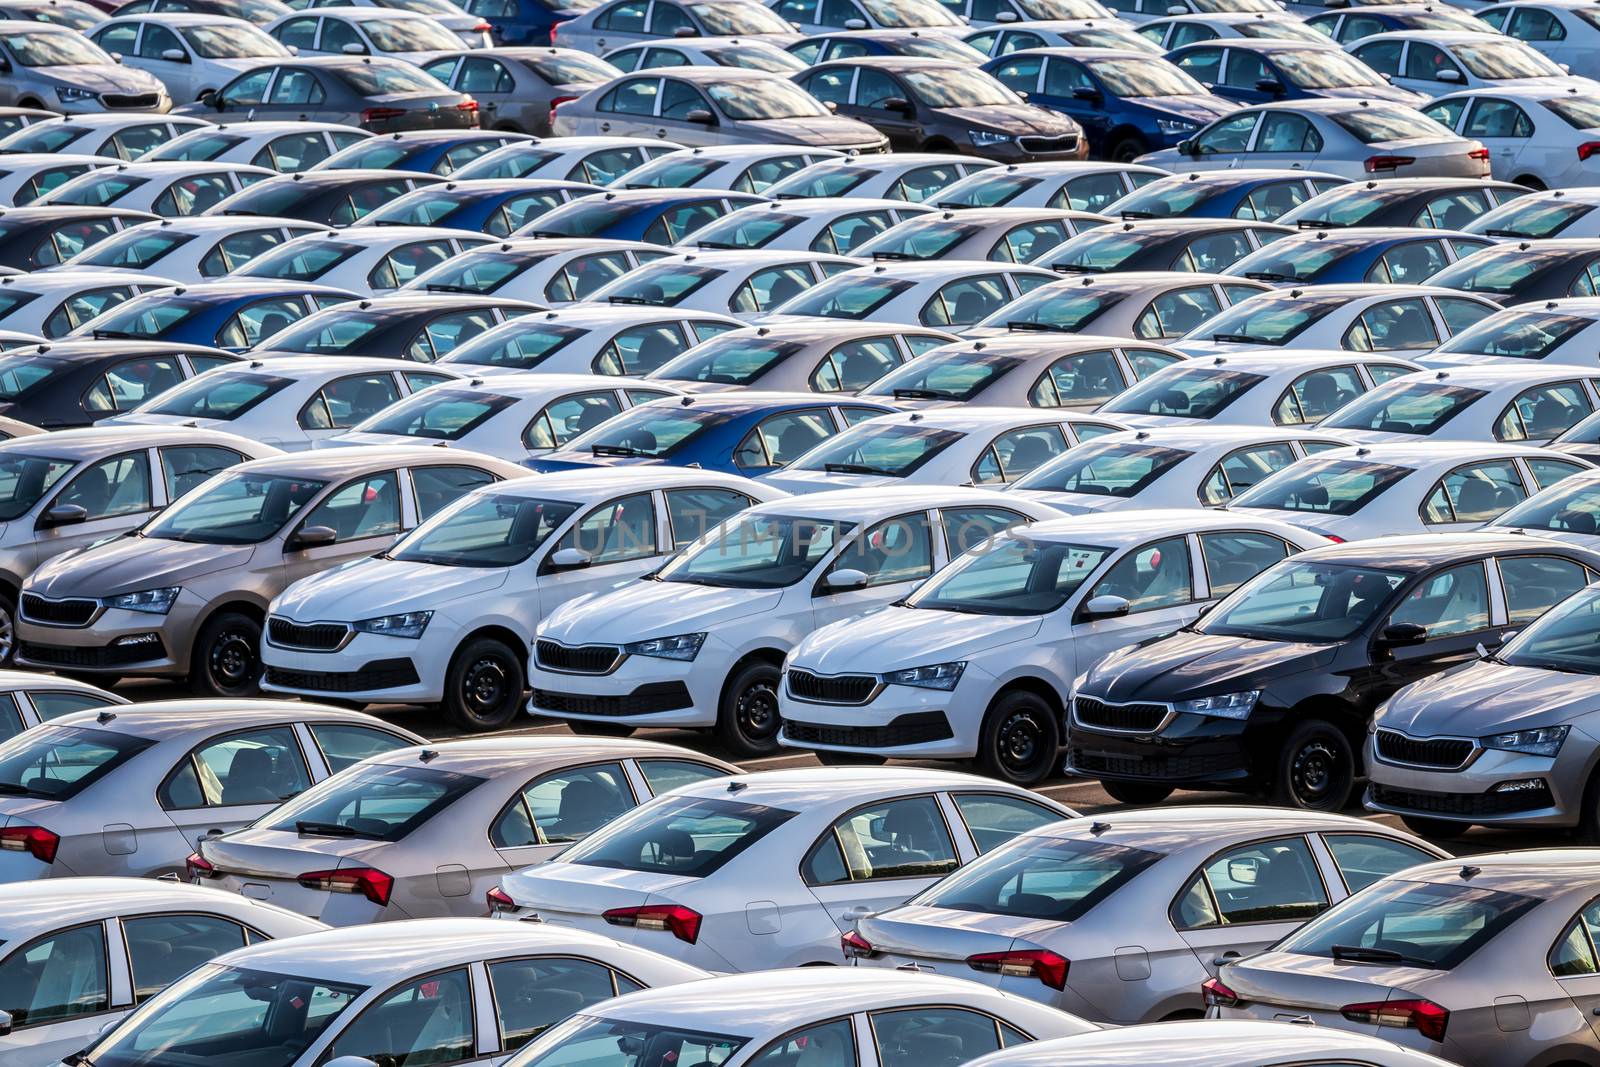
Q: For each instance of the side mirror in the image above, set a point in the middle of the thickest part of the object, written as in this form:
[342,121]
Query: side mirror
[1177,9]
[1092,95]
[293,49]
[1448,75]
[1186,147]
[1005,16]
[63,515]
[844,578]
[1398,634]
[700,117]
[354,48]
[685,31]
[5,1024]
[1106,606]
[832,106]
[568,559]
[1270,85]
[855,24]
[175,55]
[5,65]
[311,537]
[896,103]
[116,57]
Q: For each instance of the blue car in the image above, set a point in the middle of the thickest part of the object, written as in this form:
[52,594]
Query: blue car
[1401,255]
[1128,103]
[495,206]
[524,21]
[230,315]
[1259,195]
[423,151]
[1255,71]
[747,433]
[659,216]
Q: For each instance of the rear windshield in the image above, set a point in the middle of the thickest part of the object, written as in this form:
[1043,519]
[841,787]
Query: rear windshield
[1350,204]
[956,374]
[1271,318]
[1329,487]
[59,762]
[688,836]
[519,345]
[731,359]
[439,414]
[379,802]
[1192,394]
[1105,468]
[300,261]
[1518,334]
[1500,269]
[225,396]
[894,451]
[1530,216]
[1410,408]
[1040,879]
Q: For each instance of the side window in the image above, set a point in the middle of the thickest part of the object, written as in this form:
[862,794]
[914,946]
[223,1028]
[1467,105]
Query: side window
[117,39]
[1490,118]
[1314,396]
[53,705]
[336,34]
[1574,954]
[1270,881]
[636,97]
[164,948]
[1227,137]
[677,223]
[532,995]
[81,307]
[366,507]
[298,33]
[1453,602]
[1532,24]
[1446,112]
[664,774]
[1011,455]
[848,231]
[1023,243]
[1475,494]
[585,274]
[1459,314]
[425,1021]
[348,401]
[60,976]
[1089,193]
[1284,131]
[1245,69]
[967,528]
[993,819]
[788,436]
[618,530]
[831,86]
[1392,326]
[258,321]
[345,746]
[624,18]
[1155,576]
[482,76]
[1240,469]
[679,98]
[116,486]
[186,466]
[563,806]
[262,766]
[1214,253]
[1146,362]
[233,252]
[918,184]
[1543,411]
[1176,313]
[769,288]
[1547,472]
[406,262]
[855,365]
[640,349]
[767,173]
[11,726]
[905,1037]
[1271,200]
[695,512]
[1204,65]
[895,550]
[1424,62]
[1231,559]
[667,19]
[904,838]
[296,87]
[830,1044]
[964,302]
[132,382]
[1085,380]
[1534,584]
[444,333]
[1020,74]
[438,487]
[564,419]
[1364,858]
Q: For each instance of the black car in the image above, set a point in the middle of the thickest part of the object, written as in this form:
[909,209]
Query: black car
[67,384]
[1209,246]
[1528,270]
[1272,690]
[417,326]
[34,237]
[328,197]
[1437,203]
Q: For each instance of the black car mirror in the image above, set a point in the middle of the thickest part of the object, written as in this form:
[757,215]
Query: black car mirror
[896,103]
[1085,93]
[311,537]
[63,515]
[700,117]
[1270,85]
[1397,634]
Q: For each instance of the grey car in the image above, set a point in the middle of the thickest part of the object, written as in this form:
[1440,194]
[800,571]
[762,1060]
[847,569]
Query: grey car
[55,67]
[1207,1043]
[519,88]
[373,92]
[1489,962]
[608,26]
[28,699]
[1143,905]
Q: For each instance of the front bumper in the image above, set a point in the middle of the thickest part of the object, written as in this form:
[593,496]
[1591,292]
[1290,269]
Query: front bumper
[116,641]
[1189,752]
[636,690]
[369,667]
[1494,788]
[902,721]
[1030,149]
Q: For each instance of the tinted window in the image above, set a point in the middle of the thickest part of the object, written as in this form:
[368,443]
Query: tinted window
[904,838]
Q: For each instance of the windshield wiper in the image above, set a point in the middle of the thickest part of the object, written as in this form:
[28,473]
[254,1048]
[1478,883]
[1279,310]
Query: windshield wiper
[1358,954]
[616,450]
[856,468]
[1036,327]
[1271,276]
[12,789]
[924,394]
[637,300]
[1506,233]
[1240,339]
[327,829]
[446,287]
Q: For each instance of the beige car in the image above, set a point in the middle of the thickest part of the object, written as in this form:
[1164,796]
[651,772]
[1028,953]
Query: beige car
[61,491]
[186,594]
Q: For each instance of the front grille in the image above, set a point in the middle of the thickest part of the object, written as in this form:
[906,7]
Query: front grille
[1446,753]
[1463,805]
[102,656]
[137,101]
[645,700]
[838,689]
[1087,762]
[1130,718]
[914,729]
[578,659]
[315,637]
[379,674]
[74,612]
[1043,145]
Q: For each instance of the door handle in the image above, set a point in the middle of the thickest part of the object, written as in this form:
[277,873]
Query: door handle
[605,127]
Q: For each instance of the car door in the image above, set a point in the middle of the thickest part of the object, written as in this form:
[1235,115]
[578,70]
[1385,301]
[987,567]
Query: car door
[550,812]
[628,109]
[620,540]
[879,855]
[1286,141]
[61,989]
[105,498]
[356,518]
[183,467]
[230,780]
[424,1020]
[889,559]
[1224,143]
[164,947]
[1505,130]
[532,994]
[1244,73]
[879,100]
[1544,29]
[1397,327]
[162,53]
[1440,620]
[1069,88]
[343,403]
[1246,897]
[682,117]
[1155,580]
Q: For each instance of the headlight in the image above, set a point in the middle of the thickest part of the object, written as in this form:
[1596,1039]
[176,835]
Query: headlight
[406,624]
[150,601]
[681,646]
[69,95]
[934,676]
[1226,706]
[1175,126]
[1540,741]
[988,137]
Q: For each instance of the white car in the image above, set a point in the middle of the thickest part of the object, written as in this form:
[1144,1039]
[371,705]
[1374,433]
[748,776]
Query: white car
[481,574]
[1059,33]
[597,160]
[978,661]
[1039,370]
[363,31]
[744,168]
[701,644]
[544,270]
[1556,213]
[28,698]
[1254,388]
[169,189]
[820,846]
[1143,305]
[1002,234]
[1563,30]
[745,284]
[832,224]
[945,294]
[816,355]
[1181,467]
[1426,61]
[1214,1043]
[808,17]
[459,991]
[754,54]
[289,402]
[605,27]
[1351,24]
[1426,487]
[1520,404]
[1203,245]
[373,259]
[193,249]
[1175,31]
[1408,321]
[287,147]
[1565,511]
[1537,137]
[118,135]
[610,339]
[512,416]
[1267,193]
[987,446]
[78,955]
[1553,332]
[191,53]
[52,304]
[30,175]
[913,176]
[472,29]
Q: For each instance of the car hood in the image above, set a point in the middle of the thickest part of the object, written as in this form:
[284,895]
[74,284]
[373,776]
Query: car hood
[1483,697]
[1193,664]
[820,130]
[130,564]
[1198,108]
[1370,92]
[1021,120]
[907,637]
[645,609]
[365,588]
[102,79]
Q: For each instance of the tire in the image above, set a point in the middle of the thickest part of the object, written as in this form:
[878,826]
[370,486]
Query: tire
[1139,794]
[8,628]
[227,657]
[1126,149]
[483,687]
[849,759]
[585,728]
[1423,826]
[1316,770]
[1020,739]
[747,720]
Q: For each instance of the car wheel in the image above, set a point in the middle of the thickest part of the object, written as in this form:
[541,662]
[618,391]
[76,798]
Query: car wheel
[483,688]
[849,759]
[1528,181]
[747,721]
[8,628]
[1127,150]
[1141,794]
[1019,740]
[1435,828]
[584,728]
[1317,769]
[227,657]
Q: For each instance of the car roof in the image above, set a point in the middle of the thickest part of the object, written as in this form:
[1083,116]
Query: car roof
[713,74]
[1049,346]
[597,483]
[47,904]
[1427,454]
[1357,290]
[1204,1043]
[536,385]
[1176,827]
[598,316]
[556,245]
[367,14]
[11,681]
[492,757]
[49,281]
[1129,280]
[1415,552]
[1428,182]
[80,349]
[815,330]
[1438,36]
[93,441]
[864,504]
[307,366]
[1249,173]
[727,257]
[1207,436]
[162,720]
[759,400]
[896,62]
[975,419]
[274,127]
[345,462]
[1273,362]
[736,153]
[240,288]
[176,18]
[430,137]
[405,303]
[1116,529]
[375,236]
[1575,305]
[1077,52]
[938,269]
[1542,872]
[1493,376]
[228,223]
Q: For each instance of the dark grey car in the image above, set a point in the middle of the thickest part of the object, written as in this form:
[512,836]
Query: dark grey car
[518,88]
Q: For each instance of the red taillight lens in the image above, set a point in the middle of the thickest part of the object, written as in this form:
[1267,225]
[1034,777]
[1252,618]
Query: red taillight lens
[499,900]
[683,922]
[856,947]
[1588,148]
[554,26]
[470,105]
[1044,965]
[1423,1016]
[1335,538]
[557,102]
[482,27]
[368,881]
[38,842]
[197,866]
[381,114]
[1217,995]
[1480,154]
[1374,164]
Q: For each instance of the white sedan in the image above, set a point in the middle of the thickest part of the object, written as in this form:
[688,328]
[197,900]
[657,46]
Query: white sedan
[168,189]
[288,147]
[28,698]
[373,260]
[1146,305]
[363,31]
[30,175]
[1537,136]
[1564,30]
[1427,61]
[1077,184]
[1521,404]
[835,224]
[190,52]
[597,160]
[606,339]
[944,294]
[1554,332]
[744,283]
[544,270]
[53,303]
[821,847]
[913,176]
[1214,1043]
[196,248]
[744,168]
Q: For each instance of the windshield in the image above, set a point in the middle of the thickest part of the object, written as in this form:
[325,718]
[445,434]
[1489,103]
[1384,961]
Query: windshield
[1530,216]
[1011,574]
[512,161]
[231,42]
[235,509]
[59,762]
[1192,393]
[380,802]
[895,450]
[1499,270]
[1059,307]
[648,430]
[821,179]
[730,359]
[1304,600]
[270,1018]
[1054,879]
[1328,486]
[498,530]
[136,248]
[659,284]
[1324,69]
[148,316]
[1490,59]
[919,239]
[1518,334]
[517,345]
[1404,407]
[437,414]
[1418,924]
[24,480]
[215,396]
[1562,639]
[1269,319]
[757,551]
[330,332]
[851,295]
[1105,468]
[1145,77]
[954,87]
[764,98]
[379,79]
[1386,122]
[584,1041]
[409,35]
[53,48]
[955,374]
[687,836]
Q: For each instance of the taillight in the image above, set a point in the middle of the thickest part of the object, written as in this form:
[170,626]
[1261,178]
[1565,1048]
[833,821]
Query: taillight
[856,947]
[557,102]
[381,114]
[469,105]
[553,27]
[499,901]
[197,866]
[1335,538]
[1480,154]
[683,922]
[1217,995]
[1039,963]
[1423,1016]
[482,27]
[1374,164]
[1587,149]
[38,842]
[368,881]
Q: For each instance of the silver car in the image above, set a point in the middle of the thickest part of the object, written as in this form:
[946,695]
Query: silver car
[607,26]
[1208,1043]
[445,823]
[132,790]
[519,88]
[1489,962]
[1119,918]
[58,68]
